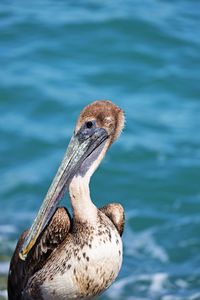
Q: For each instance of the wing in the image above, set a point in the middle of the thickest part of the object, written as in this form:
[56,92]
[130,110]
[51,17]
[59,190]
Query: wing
[115,212]
[20,271]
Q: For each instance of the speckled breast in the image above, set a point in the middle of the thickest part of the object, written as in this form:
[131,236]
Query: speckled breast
[86,267]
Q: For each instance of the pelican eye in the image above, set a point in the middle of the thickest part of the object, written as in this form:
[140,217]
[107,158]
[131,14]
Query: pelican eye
[87,130]
[89,124]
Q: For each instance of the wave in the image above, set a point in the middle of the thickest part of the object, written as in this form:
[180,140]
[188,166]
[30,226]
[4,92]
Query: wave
[4,267]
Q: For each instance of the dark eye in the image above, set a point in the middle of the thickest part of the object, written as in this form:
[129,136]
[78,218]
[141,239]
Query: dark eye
[89,124]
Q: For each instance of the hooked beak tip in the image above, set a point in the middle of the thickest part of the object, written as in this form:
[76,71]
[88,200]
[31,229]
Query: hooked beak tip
[24,251]
[22,256]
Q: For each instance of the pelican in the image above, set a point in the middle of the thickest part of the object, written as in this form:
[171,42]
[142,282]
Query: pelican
[63,257]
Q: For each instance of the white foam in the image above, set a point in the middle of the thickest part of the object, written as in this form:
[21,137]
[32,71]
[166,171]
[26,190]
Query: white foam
[117,288]
[171,297]
[196,296]
[4,267]
[4,294]
[134,242]
[157,283]
[181,283]
[135,298]
[7,229]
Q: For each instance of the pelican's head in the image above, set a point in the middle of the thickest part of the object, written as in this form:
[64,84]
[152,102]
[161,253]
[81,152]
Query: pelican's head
[103,115]
[98,125]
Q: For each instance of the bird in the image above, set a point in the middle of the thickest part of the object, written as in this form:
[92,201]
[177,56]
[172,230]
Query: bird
[75,256]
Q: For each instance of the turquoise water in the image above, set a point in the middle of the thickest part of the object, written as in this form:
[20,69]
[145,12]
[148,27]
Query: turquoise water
[56,57]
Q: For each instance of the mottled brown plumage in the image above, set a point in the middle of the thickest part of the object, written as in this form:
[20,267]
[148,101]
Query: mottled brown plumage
[55,233]
[115,212]
[20,271]
[76,257]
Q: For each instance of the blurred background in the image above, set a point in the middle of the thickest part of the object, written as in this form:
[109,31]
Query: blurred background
[58,56]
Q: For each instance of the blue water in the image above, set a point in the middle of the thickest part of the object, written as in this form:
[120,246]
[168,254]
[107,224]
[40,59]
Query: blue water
[58,56]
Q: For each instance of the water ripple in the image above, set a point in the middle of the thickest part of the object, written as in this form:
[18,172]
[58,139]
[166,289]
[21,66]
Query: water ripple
[58,57]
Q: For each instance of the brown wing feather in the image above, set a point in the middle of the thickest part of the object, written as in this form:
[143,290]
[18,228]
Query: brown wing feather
[115,212]
[20,271]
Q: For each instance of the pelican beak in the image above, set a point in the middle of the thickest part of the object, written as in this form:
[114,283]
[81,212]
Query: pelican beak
[82,144]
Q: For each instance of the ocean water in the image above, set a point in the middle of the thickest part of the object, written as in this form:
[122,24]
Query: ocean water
[58,56]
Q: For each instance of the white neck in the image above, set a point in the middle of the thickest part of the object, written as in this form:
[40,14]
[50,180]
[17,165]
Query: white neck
[82,205]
